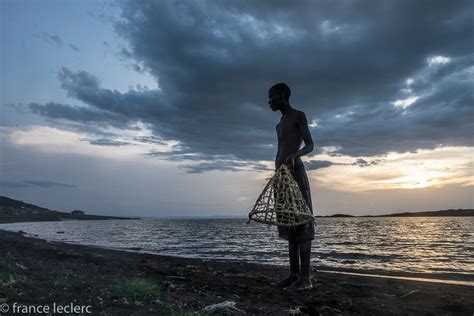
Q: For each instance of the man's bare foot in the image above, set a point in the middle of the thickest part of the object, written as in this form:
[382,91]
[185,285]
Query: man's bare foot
[300,285]
[285,282]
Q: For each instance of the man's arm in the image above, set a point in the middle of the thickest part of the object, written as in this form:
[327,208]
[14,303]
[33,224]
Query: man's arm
[302,123]
[305,133]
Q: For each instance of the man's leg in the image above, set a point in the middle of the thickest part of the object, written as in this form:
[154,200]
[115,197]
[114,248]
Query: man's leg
[294,253]
[294,249]
[303,281]
[305,254]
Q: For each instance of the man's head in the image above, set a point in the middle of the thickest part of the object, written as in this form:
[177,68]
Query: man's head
[278,95]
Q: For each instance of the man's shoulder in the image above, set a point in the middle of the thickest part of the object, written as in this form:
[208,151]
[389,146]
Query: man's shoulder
[300,114]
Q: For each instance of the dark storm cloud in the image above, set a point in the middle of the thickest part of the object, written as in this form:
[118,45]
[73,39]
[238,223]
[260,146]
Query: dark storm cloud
[106,142]
[441,116]
[150,140]
[318,164]
[364,163]
[52,39]
[48,184]
[76,113]
[74,47]
[223,165]
[55,39]
[347,62]
[34,183]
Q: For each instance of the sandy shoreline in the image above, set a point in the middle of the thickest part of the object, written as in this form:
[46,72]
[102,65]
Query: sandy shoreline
[52,272]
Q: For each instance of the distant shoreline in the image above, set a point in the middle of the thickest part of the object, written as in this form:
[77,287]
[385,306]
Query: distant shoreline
[14,211]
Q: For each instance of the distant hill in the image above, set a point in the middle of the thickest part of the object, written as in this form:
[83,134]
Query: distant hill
[450,212]
[8,202]
[12,210]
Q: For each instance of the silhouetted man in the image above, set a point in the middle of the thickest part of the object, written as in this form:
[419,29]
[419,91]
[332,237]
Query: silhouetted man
[292,131]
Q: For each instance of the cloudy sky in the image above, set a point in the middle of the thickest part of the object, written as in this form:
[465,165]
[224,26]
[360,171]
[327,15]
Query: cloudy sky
[158,108]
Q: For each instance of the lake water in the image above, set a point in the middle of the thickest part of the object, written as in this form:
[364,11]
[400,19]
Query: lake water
[436,245]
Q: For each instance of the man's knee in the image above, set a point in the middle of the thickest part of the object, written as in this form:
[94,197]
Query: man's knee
[304,243]
[293,244]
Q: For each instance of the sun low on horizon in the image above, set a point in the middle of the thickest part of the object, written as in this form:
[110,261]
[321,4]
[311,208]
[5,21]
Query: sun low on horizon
[161,108]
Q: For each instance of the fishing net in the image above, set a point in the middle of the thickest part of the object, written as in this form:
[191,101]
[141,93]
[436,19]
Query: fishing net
[281,202]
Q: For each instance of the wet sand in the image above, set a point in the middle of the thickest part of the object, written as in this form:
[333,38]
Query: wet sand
[45,272]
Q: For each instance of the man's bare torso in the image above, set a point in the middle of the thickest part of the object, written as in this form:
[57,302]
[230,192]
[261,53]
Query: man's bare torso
[289,136]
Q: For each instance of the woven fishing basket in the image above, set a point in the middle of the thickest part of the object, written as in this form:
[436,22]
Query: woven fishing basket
[281,202]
